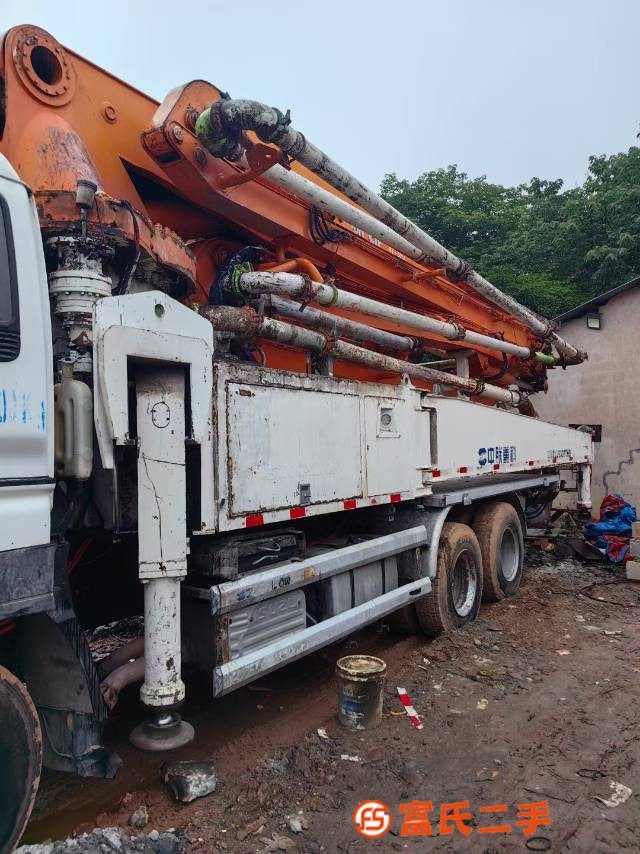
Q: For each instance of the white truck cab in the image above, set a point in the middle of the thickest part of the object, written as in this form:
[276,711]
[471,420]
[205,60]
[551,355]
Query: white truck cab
[26,371]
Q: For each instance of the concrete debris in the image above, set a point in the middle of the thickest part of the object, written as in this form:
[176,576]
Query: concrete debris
[633,570]
[278,763]
[251,829]
[486,774]
[619,794]
[106,840]
[277,842]
[189,780]
[140,818]
[297,823]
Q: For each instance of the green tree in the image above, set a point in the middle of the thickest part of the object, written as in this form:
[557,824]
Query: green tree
[551,248]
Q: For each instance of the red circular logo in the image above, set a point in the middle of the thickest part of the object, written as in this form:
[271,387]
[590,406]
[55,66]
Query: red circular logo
[372,819]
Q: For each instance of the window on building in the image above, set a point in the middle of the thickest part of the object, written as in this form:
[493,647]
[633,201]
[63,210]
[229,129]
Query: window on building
[9,313]
[594,321]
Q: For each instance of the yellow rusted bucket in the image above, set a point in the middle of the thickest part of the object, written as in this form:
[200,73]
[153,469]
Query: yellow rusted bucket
[360,685]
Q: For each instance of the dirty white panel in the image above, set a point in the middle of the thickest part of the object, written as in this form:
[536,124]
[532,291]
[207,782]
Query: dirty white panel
[162,542]
[483,439]
[397,444]
[26,381]
[261,623]
[153,327]
[291,446]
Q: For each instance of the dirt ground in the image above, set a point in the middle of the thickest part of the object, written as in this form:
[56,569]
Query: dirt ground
[536,701]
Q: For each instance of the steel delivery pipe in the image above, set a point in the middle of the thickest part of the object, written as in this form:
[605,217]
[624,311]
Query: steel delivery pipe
[247,323]
[299,287]
[221,129]
[334,205]
[339,325]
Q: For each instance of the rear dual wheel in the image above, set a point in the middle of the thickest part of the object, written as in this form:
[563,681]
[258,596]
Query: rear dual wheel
[499,531]
[456,591]
[483,562]
[20,759]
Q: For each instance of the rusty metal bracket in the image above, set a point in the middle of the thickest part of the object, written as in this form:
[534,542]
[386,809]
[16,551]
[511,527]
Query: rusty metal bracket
[260,157]
[461,272]
[480,384]
[425,275]
[551,327]
[308,293]
[330,342]
[461,331]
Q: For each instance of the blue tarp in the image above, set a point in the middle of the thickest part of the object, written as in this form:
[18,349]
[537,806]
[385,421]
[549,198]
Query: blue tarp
[611,533]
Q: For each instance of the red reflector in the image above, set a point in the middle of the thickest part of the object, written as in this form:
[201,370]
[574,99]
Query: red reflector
[252,521]
[395,497]
[350,504]
[531,463]
[496,466]
[435,473]
[297,512]
[374,500]
[555,459]
[463,469]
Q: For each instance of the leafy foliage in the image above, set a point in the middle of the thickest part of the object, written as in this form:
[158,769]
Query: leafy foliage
[549,247]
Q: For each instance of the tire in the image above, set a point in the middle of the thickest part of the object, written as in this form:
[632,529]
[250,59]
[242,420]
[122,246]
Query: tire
[20,759]
[457,588]
[499,532]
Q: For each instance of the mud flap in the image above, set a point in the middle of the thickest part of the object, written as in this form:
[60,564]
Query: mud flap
[58,668]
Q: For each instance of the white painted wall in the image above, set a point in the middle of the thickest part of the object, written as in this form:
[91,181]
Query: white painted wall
[605,390]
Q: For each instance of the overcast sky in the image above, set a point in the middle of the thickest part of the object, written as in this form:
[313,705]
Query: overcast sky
[506,88]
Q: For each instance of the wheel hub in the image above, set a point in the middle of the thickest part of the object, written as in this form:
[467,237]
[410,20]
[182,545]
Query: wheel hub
[509,555]
[464,583]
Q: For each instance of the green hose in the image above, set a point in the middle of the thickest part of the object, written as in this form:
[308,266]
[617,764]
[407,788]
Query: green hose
[542,357]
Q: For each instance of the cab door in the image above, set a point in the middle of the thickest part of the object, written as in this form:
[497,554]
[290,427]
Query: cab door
[26,371]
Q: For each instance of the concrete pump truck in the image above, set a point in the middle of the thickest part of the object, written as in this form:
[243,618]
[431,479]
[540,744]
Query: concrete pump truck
[239,394]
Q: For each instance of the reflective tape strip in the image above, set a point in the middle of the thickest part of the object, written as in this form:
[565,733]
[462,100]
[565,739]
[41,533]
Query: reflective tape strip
[411,712]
